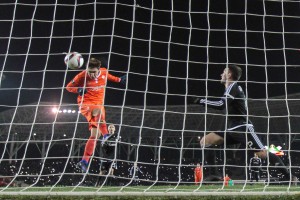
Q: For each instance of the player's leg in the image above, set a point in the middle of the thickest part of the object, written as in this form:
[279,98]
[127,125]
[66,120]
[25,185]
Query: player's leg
[93,116]
[91,142]
[102,171]
[244,134]
[100,177]
[275,160]
[262,153]
[197,180]
[251,176]
[98,117]
[90,145]
[112,169]
[256,176]
[211,139]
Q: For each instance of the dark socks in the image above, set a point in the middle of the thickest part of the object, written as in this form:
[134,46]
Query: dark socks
[281,166]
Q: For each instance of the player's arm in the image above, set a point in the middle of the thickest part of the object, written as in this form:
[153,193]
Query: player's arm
[227,98]
[116,79]
[74,84]
[218,105]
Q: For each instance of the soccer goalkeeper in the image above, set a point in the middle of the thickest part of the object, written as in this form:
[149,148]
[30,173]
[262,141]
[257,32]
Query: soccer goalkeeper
[239,128]
[90,87]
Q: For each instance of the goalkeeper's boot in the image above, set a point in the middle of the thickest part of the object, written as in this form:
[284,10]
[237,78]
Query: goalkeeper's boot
[82,165]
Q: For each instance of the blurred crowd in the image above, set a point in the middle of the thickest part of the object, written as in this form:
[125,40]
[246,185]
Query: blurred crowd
[62,172]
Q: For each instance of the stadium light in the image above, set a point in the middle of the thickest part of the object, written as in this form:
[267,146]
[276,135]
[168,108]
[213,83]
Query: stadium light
[67,111]
[54,110]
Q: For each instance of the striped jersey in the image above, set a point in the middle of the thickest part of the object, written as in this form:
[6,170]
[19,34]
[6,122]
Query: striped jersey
[234,104]
[107,150]
[255,163]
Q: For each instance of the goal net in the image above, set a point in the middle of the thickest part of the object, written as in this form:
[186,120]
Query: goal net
[170,51]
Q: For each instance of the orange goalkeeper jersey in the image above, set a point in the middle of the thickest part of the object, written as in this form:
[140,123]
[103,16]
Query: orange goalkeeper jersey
[198,171]
[95,87]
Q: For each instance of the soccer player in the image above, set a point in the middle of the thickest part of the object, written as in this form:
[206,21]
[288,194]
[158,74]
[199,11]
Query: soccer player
[90,87]
[226,179]
[198,174]
[107,154]
[135,172]
[239,128]
[254,167]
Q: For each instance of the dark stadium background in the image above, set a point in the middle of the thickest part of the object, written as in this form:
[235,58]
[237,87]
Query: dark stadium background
[279,53]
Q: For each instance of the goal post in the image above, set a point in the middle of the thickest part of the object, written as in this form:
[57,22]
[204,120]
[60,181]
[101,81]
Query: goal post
[170,51]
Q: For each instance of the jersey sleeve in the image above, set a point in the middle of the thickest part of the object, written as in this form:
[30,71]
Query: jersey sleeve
[110,77]
[219,105]
[113,78]
[75,83]
[228,97]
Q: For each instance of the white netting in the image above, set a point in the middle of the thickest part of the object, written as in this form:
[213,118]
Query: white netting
[170,50]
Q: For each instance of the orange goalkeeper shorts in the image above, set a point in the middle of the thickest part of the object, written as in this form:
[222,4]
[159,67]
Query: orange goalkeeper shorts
[87,109]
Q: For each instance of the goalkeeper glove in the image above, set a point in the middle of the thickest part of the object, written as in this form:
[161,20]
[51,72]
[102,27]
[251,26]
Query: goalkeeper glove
[123,79]
[81,91]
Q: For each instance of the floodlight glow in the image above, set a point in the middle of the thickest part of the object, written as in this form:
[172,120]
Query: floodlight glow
[64,110]
[73,111]
[54,110]
[69,111]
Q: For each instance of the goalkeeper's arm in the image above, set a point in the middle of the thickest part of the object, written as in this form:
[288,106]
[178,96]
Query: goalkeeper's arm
[219,105]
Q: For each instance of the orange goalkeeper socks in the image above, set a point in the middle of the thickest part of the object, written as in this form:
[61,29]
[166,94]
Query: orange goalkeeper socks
[89,148]
[103,128]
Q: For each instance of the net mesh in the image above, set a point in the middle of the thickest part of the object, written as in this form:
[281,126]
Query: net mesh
[170,50]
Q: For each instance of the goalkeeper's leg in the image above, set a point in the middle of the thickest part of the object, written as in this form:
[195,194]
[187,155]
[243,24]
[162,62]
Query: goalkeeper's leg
[255,142]
[93,115]
[98,120]
[97,115]
[281,166]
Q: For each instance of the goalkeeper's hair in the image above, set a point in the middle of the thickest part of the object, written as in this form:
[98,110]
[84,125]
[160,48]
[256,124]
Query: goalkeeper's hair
[236,72]
[93,62]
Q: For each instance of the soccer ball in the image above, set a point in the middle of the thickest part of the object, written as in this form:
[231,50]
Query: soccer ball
[74,60]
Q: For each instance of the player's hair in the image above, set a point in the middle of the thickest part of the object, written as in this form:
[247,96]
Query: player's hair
[236,72]
[93,62]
